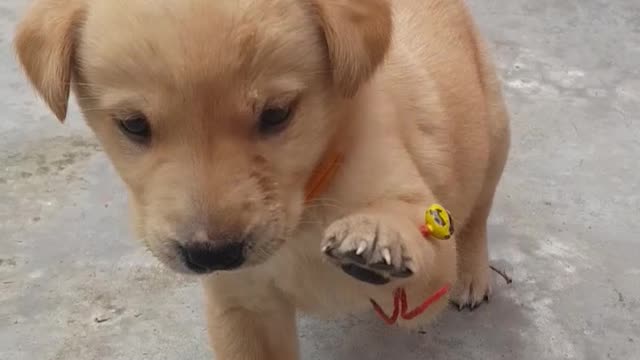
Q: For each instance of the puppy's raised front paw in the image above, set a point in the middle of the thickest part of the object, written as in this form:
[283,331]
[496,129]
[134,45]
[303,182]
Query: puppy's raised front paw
[368,248]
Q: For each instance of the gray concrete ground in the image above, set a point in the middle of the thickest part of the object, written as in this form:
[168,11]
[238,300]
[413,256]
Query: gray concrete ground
[75,285]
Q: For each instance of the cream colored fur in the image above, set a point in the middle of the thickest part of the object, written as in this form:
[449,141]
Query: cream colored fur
[407,88]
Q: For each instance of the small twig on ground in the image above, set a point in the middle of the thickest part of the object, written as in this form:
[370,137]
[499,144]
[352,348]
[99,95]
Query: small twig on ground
[502,273]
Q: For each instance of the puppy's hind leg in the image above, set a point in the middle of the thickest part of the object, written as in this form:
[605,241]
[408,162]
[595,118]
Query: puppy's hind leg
[473,286]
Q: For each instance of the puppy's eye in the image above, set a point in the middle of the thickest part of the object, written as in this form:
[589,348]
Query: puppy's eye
[136,127]
[274,120]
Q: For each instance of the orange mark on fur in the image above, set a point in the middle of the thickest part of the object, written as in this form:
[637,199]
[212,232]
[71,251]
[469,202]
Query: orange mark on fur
[322,174]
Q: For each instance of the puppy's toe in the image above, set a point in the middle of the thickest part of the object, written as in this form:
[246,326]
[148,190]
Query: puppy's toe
[368,249]
[472,289]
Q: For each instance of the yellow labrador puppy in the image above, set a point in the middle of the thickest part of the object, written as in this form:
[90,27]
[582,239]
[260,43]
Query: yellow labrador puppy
[286,150]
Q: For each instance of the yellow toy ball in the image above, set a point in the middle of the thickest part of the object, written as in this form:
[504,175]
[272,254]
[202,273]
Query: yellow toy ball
[438,222]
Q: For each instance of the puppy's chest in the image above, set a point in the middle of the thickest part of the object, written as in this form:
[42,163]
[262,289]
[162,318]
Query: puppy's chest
[312,283]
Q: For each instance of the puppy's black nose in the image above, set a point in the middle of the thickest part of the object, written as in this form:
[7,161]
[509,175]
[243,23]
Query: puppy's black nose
[204,258]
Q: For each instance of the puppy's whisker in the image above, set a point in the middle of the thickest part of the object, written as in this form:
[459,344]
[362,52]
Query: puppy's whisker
[326,202]
[326,199]
[88,97]
[325,205]
[310,222]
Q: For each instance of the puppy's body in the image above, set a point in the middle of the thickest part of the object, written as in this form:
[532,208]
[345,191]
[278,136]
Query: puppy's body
[432,115]
[416,113]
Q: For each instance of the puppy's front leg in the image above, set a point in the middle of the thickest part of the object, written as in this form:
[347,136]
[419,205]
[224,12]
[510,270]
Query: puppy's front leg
[267,331]
[382,242]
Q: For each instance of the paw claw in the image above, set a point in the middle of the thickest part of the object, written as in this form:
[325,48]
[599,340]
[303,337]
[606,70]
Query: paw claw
[386,255]
[361,248]
[355,257]
[329,246]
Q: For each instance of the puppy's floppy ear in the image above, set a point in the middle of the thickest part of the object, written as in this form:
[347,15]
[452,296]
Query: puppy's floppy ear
[45,42]
[357,33]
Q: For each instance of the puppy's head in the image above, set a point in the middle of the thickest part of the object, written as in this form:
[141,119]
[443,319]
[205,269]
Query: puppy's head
[214,113]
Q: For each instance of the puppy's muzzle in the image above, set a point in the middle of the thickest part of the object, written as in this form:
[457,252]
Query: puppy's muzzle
[203,258]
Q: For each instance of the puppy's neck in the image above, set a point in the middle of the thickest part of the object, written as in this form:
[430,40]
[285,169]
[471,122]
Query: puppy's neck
[354,118]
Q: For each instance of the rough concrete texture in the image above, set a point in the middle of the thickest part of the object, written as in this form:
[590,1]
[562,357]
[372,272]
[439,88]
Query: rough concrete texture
[75,285]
